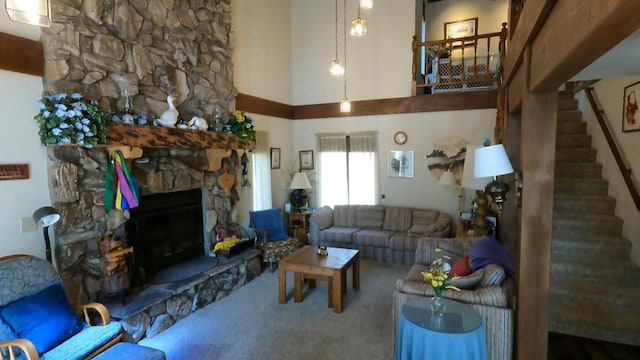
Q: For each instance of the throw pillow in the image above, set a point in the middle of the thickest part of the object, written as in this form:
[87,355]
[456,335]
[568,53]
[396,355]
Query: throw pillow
[44,318]
[493,276]
[489,251]
[469,281]
[461,267]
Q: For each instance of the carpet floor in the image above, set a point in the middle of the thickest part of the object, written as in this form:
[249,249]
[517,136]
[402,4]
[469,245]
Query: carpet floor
[251,324]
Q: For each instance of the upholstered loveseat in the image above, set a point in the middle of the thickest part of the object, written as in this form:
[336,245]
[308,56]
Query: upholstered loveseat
[383,233]
[33,306]
[490,293]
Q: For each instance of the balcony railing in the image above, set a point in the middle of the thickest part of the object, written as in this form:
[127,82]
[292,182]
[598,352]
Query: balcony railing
[461,64]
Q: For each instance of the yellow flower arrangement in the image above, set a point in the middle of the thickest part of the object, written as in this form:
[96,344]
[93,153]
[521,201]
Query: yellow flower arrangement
[438,275]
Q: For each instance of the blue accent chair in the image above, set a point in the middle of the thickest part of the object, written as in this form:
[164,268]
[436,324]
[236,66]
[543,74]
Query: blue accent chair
[272,238]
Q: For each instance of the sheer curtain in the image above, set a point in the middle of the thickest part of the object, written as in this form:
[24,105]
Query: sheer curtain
[261,166]
[363,169]
[332,170]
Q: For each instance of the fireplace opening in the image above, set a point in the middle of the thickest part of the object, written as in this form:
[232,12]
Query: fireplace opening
[165,230]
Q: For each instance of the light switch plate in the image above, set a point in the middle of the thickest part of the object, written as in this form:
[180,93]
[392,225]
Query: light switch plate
[28,225]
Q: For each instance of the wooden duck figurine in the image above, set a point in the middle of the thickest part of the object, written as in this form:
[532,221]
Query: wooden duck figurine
[169,118]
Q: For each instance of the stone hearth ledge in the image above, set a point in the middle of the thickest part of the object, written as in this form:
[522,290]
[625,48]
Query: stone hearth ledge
[159,307]
[157,136]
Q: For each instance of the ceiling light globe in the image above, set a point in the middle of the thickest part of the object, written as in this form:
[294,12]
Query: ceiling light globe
[366,4]
[345,105]
[358,27]
[336,68]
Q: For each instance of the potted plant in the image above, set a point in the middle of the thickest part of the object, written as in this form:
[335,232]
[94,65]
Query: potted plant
[70,119]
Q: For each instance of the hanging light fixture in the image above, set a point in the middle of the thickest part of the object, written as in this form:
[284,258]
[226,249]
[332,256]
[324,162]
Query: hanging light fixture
[366,4]
[336,68]
[34,12]
[345,104]
[359,25]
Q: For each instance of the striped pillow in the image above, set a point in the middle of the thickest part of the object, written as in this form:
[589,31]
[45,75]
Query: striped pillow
[493,276]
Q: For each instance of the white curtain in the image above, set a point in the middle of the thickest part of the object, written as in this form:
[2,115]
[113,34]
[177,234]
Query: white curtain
[261,173]
[332,170]
[363,174]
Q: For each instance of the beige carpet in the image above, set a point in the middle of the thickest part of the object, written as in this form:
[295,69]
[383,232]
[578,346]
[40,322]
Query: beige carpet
[250,324]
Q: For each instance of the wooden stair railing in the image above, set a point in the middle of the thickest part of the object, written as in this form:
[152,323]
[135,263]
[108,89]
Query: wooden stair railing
[624,169]
[473,70]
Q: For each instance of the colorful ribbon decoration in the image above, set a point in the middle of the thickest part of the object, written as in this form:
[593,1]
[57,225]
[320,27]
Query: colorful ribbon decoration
[121,189]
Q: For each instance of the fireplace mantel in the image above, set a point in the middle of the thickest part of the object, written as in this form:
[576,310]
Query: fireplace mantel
[158,136]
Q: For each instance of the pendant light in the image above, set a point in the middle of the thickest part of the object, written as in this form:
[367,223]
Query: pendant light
[336,68]
[345,104]
[359,25]
[34,12]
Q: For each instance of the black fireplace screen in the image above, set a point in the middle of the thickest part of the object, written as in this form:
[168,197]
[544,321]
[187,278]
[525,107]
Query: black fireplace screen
[166,229]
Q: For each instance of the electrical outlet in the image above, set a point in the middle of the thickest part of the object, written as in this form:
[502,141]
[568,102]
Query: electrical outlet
[28,225]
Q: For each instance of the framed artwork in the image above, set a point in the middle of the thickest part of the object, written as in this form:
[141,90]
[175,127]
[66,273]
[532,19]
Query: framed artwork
[460,29]
[275,158]
[630,113]
[400,164]
[306,159]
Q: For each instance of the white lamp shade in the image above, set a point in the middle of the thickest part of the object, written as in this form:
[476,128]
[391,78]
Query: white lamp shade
[46,215]
[492,161]
[447,178]
[300,181]
[469,181]
[34,12]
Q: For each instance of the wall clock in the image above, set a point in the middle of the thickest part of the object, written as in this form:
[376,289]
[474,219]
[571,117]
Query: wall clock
[400,137]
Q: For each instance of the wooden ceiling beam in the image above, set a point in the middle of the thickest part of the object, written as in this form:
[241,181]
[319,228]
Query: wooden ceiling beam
[21,55]
[577,33]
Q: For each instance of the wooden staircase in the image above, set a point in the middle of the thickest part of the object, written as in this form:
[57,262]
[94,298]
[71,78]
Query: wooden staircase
[595,288]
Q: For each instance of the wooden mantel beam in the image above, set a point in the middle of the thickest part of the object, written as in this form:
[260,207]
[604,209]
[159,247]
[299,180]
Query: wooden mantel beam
[575,34]
[21,55]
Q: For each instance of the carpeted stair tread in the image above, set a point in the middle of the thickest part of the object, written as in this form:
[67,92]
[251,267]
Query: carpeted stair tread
[595,223]
[586,292]
[606,270]
[567,104]
[578,186]
[605,323]
[573,155]
[571,128]
[579,171]
[578,244]
[592,204]
[573,141]
[569,115]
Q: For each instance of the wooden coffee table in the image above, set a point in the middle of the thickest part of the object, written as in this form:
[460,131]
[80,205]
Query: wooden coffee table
[307,264]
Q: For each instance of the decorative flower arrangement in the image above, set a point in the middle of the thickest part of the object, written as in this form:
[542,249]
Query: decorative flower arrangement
[66,119]
[241,125]
[438,275]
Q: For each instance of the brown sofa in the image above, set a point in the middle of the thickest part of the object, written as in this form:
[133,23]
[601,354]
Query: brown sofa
[386,234]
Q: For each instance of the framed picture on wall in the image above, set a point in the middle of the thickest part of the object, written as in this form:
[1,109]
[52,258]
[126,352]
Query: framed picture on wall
[306,159]
[460,29]
[275,158]
[630,113]
[400,164]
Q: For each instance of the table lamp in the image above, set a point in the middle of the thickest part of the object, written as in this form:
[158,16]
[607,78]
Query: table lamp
[469,181]
[46,216]
[299,197]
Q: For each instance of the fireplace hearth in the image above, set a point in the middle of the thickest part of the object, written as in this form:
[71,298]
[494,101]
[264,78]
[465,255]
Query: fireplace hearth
[165,230]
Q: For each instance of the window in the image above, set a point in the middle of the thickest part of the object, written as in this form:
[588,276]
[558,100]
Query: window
[348,169]
[261,167]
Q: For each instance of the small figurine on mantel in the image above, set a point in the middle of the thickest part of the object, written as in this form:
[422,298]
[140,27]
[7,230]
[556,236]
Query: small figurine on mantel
[198,123]
[169,118]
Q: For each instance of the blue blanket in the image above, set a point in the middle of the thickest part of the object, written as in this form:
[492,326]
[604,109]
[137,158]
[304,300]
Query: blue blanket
[489,251]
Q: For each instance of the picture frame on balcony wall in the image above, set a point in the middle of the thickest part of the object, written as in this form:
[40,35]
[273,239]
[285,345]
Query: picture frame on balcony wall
[460,29]
[275,158]
[630,112]
[400,164]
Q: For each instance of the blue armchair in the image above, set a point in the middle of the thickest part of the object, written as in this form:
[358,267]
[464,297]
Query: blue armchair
[272,238]
[36,320]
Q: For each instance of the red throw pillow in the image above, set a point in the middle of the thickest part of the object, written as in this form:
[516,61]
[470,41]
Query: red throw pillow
[461,267]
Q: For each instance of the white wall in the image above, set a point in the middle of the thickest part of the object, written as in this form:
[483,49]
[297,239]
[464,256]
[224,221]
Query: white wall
[19,143]
[378,64]
[423,129]
[610,93]
[490,13]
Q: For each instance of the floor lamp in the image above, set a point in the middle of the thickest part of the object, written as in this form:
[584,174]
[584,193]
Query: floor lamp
[469,181]
[47,216]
